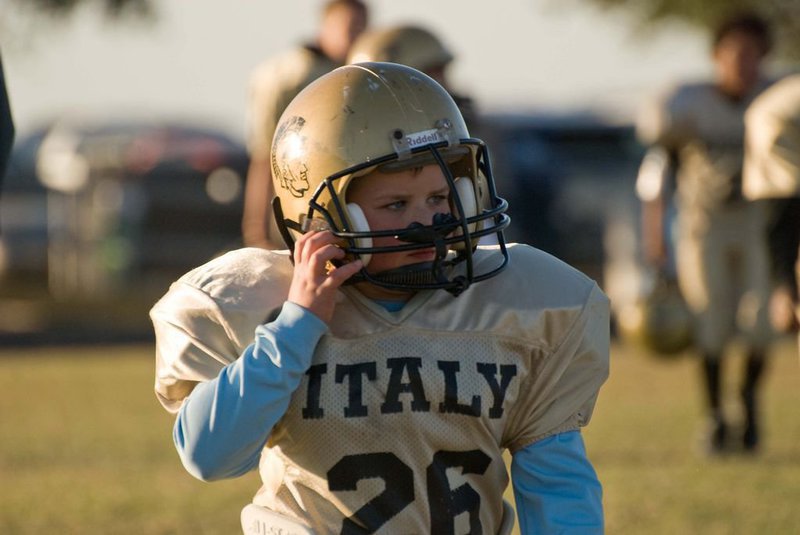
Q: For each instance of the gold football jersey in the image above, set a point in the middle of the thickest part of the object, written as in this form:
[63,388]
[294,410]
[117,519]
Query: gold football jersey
[402,418]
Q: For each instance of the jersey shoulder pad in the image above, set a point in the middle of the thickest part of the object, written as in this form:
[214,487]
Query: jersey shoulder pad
[208,317]
[538,297]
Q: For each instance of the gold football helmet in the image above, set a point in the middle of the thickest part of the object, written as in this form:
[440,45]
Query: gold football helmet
[659,321]
[360,117]
[409,45]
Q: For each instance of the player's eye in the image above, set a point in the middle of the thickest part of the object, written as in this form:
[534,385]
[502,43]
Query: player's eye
[438,199]
[396,205]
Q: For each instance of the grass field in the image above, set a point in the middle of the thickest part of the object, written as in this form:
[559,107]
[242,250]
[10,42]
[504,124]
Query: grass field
[86,449]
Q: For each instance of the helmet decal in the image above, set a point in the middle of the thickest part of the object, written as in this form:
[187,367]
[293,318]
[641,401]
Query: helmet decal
[292,175]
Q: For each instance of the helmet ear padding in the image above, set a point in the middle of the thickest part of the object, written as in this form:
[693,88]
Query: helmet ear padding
[466,192]
[359,223]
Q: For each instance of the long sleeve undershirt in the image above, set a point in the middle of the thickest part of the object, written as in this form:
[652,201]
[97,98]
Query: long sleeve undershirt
[223,425]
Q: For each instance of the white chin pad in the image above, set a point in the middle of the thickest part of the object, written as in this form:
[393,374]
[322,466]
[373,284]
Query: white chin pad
[359,223]
[466,193]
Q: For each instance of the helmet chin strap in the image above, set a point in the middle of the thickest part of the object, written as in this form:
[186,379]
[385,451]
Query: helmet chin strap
[420,273]
[424,274]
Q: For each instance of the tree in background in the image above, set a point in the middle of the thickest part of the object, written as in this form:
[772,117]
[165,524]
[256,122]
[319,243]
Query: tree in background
[784,15]
[704,14]
[112,8]
[27,24]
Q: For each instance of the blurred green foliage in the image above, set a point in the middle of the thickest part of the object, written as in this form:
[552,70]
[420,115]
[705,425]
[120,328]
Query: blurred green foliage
[706,14]
[114,9]
[783,15]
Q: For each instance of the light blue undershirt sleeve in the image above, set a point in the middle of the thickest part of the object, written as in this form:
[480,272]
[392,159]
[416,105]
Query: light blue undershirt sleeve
[556,487]
[224,424]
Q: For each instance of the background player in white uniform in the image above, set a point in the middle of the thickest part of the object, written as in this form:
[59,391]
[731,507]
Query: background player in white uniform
[377,379]
[772,172]
[722,260]
[273,84]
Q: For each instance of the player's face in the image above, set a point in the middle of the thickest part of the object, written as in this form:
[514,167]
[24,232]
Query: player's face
[738,58]
[396,200]
[342,26]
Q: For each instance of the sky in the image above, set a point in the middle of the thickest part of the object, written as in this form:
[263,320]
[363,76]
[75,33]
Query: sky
[194,62]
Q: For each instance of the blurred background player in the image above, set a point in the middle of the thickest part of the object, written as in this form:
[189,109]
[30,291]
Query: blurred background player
[273,85]
[416,47]
[721,250]
[6,126]
[772,172]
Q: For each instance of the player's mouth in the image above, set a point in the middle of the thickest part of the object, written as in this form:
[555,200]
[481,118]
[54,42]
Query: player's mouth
[424,255]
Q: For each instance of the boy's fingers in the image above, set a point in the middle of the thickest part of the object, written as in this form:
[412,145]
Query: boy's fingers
[311,242]
[315,250]
[318,261]
[344,272]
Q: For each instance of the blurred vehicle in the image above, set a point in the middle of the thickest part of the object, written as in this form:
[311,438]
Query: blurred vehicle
[23,214]
[569,179]
[117,210]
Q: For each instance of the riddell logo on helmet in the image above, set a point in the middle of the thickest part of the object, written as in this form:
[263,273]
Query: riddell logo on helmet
[423,138]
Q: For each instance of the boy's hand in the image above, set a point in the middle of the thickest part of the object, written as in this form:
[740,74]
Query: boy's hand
[315,281]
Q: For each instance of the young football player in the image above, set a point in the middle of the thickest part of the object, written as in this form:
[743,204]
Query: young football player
[376,374]
[721,254]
